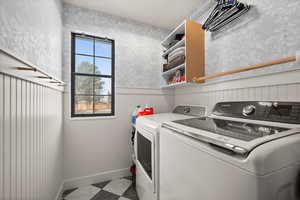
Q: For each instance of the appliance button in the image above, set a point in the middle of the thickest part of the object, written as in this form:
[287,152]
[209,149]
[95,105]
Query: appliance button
[265,130]
[248,110]
[186,110]
[240,150]
[230,146]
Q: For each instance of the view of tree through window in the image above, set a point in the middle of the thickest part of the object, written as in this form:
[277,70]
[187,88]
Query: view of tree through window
[92,76]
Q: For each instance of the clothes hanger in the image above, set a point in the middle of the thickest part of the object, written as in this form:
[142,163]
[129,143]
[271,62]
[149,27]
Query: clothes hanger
[224,13]
[221,7]
[241,9]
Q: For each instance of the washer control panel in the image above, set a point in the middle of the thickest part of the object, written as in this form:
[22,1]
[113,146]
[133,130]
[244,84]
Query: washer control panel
[285,112]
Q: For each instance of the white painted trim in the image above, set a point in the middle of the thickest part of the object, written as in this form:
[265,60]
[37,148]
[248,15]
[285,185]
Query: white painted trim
[96,178]
[279,78]
[142,91]
[9,61]
[93,118]
[60,191]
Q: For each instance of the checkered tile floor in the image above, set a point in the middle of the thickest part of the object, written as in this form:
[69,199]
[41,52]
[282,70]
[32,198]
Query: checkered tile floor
[120,189]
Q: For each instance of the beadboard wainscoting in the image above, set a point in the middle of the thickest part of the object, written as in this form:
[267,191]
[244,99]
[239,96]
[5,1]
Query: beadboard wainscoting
[30,140]
[274,87]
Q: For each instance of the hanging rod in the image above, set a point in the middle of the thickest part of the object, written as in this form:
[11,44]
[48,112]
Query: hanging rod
[243,69]
[12,64]
[47,76]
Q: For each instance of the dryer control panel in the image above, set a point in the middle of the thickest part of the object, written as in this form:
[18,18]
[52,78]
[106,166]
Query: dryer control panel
[284,112]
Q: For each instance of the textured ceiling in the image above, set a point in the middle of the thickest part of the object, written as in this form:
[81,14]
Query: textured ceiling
[162,13]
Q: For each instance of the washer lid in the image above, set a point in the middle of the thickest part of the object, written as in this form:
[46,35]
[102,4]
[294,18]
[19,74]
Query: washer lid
[225,140]
[234,129]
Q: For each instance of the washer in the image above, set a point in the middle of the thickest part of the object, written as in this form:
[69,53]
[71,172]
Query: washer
[147,147]
[242,151]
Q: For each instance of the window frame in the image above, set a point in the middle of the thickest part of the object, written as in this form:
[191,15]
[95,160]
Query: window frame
[74,73]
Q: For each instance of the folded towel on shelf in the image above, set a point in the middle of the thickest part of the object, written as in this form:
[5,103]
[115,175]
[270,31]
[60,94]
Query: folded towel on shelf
[174,63]
[170,59]
[176,53]
[177,50]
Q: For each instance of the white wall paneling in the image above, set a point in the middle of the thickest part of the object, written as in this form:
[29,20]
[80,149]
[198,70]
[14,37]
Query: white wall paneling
[275,87]
[30,157]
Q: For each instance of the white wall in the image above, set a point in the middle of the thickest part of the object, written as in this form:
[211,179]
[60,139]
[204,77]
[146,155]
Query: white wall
[98,149]
[30,140]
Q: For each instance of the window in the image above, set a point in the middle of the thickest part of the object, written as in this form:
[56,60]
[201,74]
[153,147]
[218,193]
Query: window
[92,78]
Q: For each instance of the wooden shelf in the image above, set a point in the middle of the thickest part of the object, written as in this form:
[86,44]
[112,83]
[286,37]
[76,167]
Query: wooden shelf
[173,70]
[178,30]
[194,52]
[175,84]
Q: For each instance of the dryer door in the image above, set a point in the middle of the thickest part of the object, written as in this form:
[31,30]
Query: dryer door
[145,177]
[145,153]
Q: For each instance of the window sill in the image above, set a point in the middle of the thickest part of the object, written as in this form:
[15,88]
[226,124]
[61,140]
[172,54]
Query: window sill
[93,118]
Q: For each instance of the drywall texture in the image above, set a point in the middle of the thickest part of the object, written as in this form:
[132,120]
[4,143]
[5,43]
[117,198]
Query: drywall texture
[31,140]
[33,31]
[137,46]
[269,31]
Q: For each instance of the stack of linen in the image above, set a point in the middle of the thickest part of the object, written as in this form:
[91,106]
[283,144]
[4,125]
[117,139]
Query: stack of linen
[175,58]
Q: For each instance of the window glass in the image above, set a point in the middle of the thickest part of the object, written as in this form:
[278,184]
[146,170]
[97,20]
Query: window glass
[103,49]
[84,85]
[102,86]
[84,46]
[84,104]
[102,104]
[103,66]
[84,64]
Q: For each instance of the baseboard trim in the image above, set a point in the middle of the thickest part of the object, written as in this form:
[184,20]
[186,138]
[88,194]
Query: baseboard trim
[59,192]
[95,178]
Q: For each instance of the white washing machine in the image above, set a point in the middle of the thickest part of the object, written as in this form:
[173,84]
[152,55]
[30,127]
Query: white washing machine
[147,147]
[243,151]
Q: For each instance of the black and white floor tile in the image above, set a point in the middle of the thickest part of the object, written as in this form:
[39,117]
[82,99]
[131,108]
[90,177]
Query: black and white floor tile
[119,189]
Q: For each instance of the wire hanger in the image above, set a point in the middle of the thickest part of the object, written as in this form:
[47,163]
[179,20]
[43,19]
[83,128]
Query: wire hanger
[224,13]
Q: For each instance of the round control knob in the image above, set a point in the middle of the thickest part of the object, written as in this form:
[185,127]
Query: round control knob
[186,110]
[248,110]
